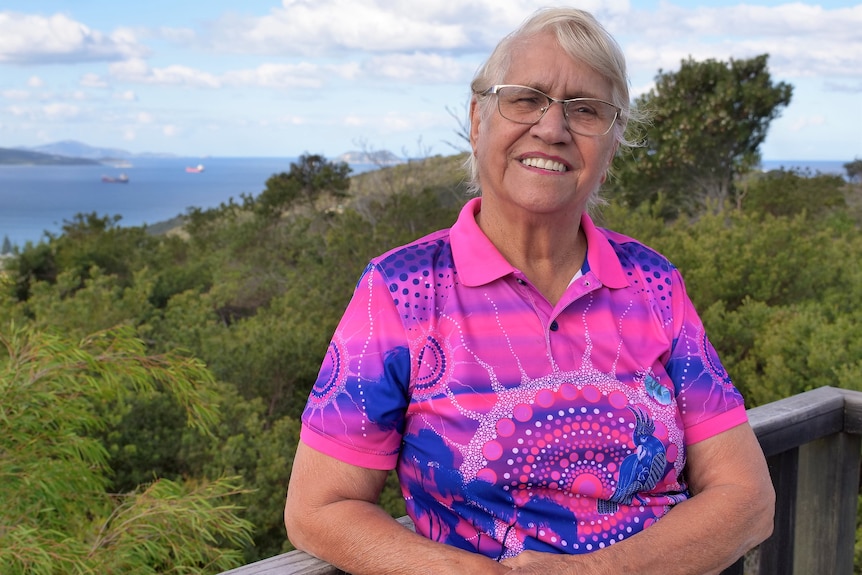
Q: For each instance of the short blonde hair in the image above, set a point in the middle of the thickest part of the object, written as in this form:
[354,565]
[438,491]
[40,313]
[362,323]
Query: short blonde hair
[583,38]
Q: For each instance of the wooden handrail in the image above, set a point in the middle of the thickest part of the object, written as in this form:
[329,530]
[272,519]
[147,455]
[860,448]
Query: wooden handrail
[812,442]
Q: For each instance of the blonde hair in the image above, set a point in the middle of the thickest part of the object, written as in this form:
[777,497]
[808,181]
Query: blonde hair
[583,38]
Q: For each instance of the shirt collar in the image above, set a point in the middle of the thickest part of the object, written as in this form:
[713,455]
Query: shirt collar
[479,262]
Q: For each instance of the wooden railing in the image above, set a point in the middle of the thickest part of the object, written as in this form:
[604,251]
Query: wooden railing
[812,443]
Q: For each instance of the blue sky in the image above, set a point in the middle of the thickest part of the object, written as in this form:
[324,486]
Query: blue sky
[270,78]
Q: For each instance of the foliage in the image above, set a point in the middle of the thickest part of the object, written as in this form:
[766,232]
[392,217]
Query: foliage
[854,170]
[57,516]
[708,121]
[306,181]
[255,294]
[791,192]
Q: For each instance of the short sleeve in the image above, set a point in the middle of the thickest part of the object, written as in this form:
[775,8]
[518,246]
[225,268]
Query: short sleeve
[356,409]
[709,403]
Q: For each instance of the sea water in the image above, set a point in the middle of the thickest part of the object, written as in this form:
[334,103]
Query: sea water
[39,199]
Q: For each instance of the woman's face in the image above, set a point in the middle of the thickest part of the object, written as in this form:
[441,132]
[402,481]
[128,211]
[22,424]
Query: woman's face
[506,152]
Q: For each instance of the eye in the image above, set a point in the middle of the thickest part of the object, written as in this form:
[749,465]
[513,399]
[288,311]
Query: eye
[523,97]
[582,108]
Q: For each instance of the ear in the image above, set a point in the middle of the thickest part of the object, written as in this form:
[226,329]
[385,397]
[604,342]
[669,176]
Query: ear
[475,120]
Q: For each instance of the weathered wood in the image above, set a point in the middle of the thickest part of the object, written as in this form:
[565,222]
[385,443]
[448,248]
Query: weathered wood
[737,568]
[852,411]
[297,562]
[293,563]
[776,557]
[816,492]
[797,420]
[826,505]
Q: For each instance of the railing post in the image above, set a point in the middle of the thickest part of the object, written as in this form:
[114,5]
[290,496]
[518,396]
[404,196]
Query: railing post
[776,555]
[826,505]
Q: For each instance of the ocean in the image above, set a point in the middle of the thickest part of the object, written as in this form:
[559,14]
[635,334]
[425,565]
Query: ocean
[36,199]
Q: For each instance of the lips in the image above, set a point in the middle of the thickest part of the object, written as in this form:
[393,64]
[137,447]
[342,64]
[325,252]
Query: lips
[544,164]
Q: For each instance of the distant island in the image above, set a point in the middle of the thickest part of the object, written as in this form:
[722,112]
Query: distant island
[71,153]
[68,153]
[378,157]
[17,157]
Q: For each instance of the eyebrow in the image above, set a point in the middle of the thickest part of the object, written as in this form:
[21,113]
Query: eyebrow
[580,94]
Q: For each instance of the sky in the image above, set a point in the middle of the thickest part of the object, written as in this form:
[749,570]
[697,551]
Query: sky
[263,78]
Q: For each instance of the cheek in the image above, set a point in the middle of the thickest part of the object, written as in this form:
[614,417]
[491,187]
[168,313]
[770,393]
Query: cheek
[481,141]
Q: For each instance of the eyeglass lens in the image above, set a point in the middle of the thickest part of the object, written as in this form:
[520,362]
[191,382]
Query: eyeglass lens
[586,116]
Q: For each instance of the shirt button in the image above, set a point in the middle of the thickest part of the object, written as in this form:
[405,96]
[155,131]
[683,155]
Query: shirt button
[522,282]
[555,326]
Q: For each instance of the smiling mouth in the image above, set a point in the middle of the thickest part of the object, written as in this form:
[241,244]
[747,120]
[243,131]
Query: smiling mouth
[544,164]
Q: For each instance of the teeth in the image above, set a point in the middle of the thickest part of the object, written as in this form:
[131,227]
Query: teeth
[544,164]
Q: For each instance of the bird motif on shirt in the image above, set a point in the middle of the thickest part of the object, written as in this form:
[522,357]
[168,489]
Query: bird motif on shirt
[640,471]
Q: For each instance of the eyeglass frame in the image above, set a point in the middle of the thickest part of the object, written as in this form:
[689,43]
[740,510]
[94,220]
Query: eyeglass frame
[493,90]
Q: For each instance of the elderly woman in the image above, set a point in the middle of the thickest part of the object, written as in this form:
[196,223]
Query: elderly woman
[543,387]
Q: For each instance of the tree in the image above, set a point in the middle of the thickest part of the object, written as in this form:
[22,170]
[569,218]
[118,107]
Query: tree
[309,178]
[791,192]
[7,246]
[854,170]
[57,516]
[708,122]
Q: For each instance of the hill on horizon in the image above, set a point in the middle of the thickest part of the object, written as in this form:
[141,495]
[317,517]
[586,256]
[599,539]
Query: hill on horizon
[76,149]
[19,157]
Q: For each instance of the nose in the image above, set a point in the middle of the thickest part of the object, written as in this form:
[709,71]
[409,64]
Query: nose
[553,126]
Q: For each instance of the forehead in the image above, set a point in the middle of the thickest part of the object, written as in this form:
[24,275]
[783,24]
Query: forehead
[540,62]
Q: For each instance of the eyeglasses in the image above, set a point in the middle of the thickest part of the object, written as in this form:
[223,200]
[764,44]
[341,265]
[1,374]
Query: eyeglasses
[525,105]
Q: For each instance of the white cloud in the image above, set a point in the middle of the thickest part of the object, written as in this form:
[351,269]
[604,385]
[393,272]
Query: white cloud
[60,111]
[301,27]
[176,35]
[35,39]
[35,82]
[396,122]
[15,94]
[91,80]
[302,75]
[418,68]
[127,96]
[409,41]
[326,27]
[138,71]
[802,40]
[170,130]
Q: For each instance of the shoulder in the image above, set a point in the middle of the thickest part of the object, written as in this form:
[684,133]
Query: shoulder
[645,267]
[635,254]
[417,257]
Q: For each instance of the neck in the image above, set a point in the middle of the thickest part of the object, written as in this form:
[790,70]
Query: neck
[548,249]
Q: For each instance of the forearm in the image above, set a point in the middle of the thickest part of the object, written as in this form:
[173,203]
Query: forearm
[360,538]
[701,536]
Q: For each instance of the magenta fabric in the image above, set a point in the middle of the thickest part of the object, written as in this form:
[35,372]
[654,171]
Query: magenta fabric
[514,424]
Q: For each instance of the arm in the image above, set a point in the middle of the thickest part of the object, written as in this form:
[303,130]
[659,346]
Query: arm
[730,512]
[331,513]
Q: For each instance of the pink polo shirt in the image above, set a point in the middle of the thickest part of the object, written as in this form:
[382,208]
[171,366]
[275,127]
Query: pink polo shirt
[513,423]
